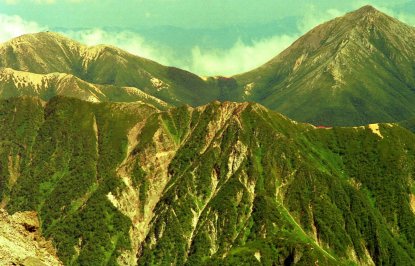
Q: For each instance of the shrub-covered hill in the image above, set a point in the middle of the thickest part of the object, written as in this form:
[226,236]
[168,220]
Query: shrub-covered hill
[221,184]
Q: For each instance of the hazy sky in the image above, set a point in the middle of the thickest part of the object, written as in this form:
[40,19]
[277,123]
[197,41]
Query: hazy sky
[208,37]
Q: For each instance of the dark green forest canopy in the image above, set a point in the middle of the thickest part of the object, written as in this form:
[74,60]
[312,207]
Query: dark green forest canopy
[221,184]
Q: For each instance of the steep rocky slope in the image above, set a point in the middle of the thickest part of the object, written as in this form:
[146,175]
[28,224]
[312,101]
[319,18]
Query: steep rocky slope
[221,184]
[21,242]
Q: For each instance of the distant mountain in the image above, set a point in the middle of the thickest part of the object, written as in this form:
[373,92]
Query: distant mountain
[47,52]
[221,184]
[355,69]
[18,83]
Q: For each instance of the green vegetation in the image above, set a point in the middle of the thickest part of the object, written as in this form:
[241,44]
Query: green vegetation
[243,185]
[65,168]
[225,183]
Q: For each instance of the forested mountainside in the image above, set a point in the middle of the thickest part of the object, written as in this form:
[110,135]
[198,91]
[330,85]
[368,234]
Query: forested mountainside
[409,124]
[221,184]
[107,158]
[353,70]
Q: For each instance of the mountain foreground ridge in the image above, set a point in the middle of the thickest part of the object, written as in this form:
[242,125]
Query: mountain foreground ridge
[221,184]
[21,242]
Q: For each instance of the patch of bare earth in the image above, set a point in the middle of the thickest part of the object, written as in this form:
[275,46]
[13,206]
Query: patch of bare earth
[21,242]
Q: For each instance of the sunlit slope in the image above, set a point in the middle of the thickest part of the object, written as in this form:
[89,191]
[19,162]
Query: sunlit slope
[47,52]
[353,70]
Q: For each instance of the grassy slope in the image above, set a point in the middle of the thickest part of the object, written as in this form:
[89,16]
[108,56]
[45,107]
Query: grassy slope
[353,70]
[46,52]
[18,83]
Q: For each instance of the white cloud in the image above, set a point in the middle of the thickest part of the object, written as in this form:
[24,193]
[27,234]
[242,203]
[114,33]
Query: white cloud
[14,26]
[315,17]
[126,40]
[243,57]
[240,58]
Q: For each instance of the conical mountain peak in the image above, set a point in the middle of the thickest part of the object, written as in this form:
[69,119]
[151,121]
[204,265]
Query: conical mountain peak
[368,16]
[353,62]
[368,9]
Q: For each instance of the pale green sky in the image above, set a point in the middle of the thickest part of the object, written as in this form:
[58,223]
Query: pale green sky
[180,13]
[207,37]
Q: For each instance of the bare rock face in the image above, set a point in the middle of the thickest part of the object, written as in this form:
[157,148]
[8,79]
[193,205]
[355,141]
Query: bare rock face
[21,242]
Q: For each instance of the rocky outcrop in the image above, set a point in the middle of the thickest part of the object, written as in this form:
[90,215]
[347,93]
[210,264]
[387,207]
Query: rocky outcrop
[21,242]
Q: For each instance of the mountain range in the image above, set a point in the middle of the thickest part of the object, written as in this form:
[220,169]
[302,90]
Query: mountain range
[118,160]
[353,70]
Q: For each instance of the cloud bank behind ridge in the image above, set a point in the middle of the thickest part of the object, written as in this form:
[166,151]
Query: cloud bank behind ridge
[240,57]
